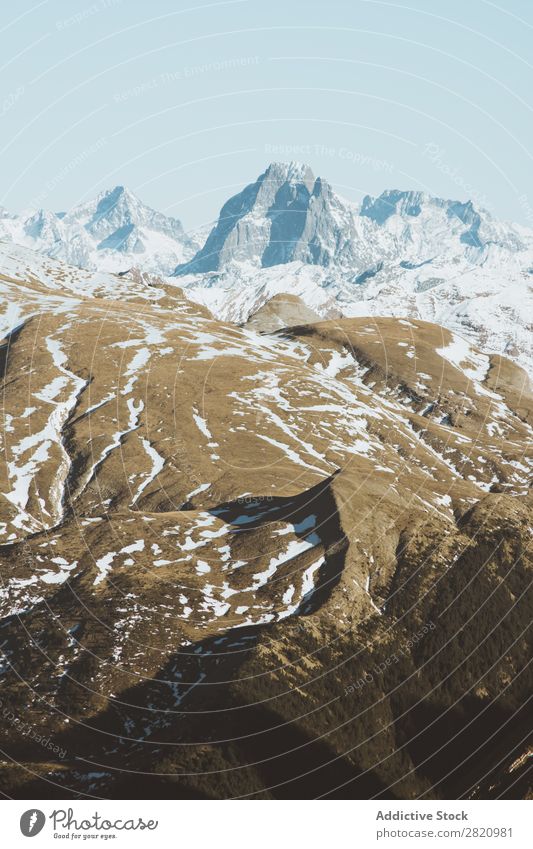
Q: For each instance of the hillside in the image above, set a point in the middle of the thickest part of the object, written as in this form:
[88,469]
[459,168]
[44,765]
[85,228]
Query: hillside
[403,253]
[244,564]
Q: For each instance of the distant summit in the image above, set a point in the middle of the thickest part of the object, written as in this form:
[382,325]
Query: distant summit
[113,232]
[403,253]
[287,214]
[290,215]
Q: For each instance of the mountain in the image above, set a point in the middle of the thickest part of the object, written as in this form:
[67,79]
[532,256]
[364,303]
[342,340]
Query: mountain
[289,215]
[114,232]
[285,215]
[403,253]
[249,565]
[406,254]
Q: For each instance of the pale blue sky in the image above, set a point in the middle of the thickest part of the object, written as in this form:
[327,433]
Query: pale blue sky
[185,102]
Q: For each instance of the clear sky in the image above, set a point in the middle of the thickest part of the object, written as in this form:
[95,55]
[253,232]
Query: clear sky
[185,102]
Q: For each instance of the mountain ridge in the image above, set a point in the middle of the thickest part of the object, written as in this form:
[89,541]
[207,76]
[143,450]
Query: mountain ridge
[288,214]
[112,232]
[405,253]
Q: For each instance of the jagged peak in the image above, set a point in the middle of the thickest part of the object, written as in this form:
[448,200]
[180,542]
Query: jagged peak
[290,172]
[118,195]
[410,202]
[119,207]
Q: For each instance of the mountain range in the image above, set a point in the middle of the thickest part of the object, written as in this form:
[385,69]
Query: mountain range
[403,253]
[113,232]
[290,559]
[265,499]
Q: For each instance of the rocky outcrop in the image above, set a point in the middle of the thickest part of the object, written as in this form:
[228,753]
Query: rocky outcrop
[279,312]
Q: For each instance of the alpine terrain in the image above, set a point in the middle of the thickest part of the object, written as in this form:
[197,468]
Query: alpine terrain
[261,537]
[114,232]
[405,254]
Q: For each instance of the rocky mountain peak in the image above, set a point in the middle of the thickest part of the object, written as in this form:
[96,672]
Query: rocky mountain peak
[289,215]
[290,172]
[119,208]
[286,214]
[43,224]
[114,231]
[412,204]
[391,202]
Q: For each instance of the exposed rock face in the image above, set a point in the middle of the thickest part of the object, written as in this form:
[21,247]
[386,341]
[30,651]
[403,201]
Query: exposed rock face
[241,565]
[403,253]
[286,215]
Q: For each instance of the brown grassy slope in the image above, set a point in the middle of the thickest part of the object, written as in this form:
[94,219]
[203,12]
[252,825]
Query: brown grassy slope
[259,565]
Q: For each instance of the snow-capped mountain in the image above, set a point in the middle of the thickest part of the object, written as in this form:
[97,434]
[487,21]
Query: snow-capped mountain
[403,253]
[187,505]
[286,215]
[113,232]
[289,215]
